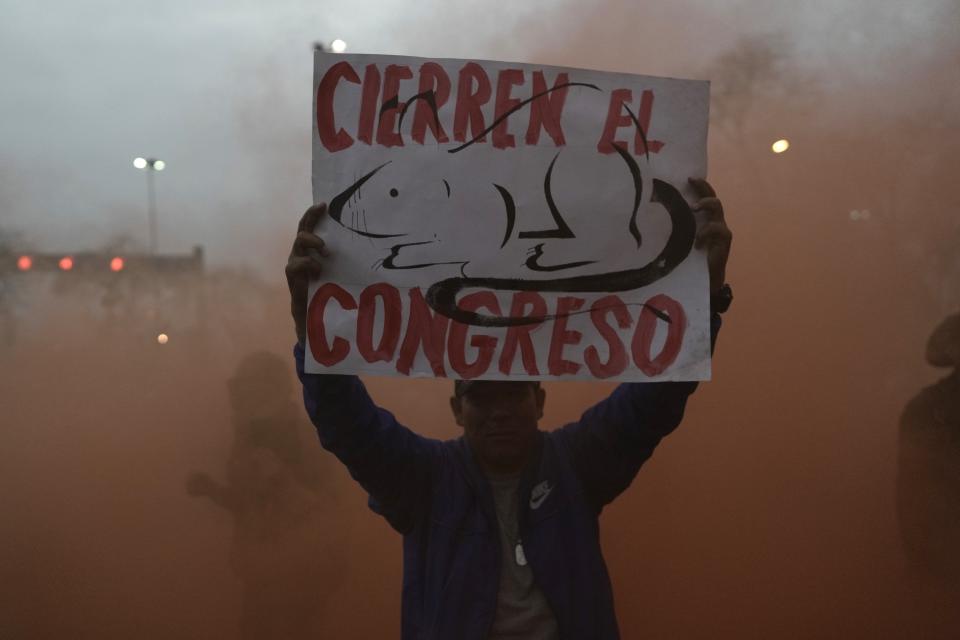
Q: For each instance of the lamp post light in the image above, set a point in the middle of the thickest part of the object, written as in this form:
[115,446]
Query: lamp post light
[780,145]
[151,165]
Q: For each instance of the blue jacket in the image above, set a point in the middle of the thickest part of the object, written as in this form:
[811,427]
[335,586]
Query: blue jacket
[434,493]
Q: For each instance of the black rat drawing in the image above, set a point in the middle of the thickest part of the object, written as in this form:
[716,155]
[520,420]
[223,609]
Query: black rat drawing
[418,243]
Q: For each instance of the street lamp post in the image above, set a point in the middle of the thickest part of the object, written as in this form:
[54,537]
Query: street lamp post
[151,165]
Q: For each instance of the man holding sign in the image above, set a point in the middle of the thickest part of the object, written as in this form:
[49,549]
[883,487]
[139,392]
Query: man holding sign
[544,229]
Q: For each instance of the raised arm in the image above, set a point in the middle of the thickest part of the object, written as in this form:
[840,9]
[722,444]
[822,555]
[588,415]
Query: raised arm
[615,437]
[612,439]
[393,464]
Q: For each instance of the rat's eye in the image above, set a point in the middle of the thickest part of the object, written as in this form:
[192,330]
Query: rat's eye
[394,193]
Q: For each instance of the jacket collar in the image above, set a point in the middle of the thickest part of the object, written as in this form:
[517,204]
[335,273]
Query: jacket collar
[478,480]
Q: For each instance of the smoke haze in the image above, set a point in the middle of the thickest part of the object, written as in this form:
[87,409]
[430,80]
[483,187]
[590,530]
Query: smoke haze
[770,513]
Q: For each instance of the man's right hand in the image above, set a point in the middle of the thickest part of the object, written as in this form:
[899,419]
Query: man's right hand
[305,262]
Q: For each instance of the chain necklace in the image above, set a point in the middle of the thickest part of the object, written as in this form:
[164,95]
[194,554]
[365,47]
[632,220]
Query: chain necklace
[513,537]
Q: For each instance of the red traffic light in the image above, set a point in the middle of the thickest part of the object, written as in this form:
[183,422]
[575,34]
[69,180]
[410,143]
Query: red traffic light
[24,263]
[66,263]
[116,264]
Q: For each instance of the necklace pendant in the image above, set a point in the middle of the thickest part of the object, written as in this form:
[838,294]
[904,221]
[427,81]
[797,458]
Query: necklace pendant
[519,556]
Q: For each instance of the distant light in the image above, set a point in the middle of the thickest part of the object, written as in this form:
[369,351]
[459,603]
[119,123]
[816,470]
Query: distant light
[780,146]
[66,263]
[116,264]
[338,46]
[163,338]
[24,263]
[140,163]
[860,214]
[159,165]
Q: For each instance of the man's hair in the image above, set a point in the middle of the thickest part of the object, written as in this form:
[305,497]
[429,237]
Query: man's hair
[461,387]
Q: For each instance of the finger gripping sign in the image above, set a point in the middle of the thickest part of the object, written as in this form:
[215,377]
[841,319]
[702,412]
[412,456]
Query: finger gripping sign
[499,220]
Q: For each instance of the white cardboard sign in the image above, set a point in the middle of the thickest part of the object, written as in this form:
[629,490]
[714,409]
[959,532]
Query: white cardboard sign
[500,220]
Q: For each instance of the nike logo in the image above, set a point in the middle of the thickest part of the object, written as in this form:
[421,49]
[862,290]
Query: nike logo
[539,494]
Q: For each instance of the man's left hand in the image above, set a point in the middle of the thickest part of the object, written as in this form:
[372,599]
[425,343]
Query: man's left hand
[714,236]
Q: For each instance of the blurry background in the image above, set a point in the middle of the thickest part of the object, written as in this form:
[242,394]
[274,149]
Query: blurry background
[769,514]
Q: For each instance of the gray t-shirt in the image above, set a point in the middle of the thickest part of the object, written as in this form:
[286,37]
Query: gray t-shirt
[522,609]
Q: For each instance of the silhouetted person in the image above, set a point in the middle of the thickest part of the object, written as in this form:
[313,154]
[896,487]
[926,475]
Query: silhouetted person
[501,526]
[281,499]
[928,486]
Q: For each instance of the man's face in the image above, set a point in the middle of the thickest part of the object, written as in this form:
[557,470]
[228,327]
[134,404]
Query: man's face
[499,420]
